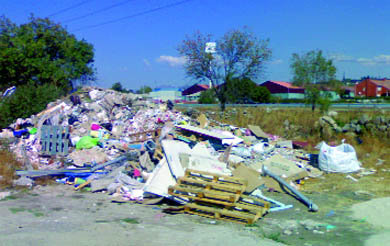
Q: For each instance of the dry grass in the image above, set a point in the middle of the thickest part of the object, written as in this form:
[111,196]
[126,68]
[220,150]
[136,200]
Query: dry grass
[302,126]
[8,165]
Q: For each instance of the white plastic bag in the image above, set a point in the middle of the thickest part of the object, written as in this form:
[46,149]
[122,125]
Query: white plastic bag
[339,159]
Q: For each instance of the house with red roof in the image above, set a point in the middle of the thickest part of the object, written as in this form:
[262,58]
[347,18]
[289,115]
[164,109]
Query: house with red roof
[284,90]
[192,93]
[373,88]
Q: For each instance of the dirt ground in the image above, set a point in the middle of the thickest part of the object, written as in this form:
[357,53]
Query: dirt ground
[58,215]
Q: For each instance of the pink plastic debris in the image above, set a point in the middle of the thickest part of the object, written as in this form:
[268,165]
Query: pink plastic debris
[95,127]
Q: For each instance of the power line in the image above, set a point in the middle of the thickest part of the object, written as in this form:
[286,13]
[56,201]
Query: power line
[97,11]
[135,15]
[69,8]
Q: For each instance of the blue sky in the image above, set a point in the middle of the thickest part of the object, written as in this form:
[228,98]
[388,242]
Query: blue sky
[141,49]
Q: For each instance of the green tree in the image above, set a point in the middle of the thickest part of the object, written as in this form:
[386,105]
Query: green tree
[239,54]
[261,94]
[244,89]
[144,90]
[311,70]
[43,61]
[118,87]
[43,52]
[26,101]
[207,97]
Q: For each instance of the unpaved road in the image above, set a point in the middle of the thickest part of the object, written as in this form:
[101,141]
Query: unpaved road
[377,213]
[57,215]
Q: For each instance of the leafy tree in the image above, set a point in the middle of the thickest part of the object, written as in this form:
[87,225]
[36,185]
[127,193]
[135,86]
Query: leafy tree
[42,52]
[241,90]
[144,90]
[207,97]
[239,54]
[312,70]
[118,87]
[26,101]
[312,67]
[261,94]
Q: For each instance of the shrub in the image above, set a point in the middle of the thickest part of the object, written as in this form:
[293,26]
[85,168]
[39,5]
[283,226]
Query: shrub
[26,101]
[207,97]
[261,94]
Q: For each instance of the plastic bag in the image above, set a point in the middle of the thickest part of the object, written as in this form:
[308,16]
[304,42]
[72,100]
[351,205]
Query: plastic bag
[340,159]
[87,142]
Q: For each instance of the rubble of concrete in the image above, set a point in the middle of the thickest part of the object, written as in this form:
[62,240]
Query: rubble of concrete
[140,151]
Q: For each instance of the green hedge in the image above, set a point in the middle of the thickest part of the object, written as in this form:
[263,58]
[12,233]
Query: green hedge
[26,101]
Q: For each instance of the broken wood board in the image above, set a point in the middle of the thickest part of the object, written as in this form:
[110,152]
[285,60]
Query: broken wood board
[203,132]
[172,149]
[285,144]
[279,165]
[203,121]
[160,180]
[253,177]
[225,156]
[212,177]
[257,131]
[203,163]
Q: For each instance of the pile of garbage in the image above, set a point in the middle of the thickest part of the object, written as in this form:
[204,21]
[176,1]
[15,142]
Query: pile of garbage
[136,150]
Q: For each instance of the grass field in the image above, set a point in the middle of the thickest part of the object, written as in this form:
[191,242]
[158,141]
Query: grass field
[370,149]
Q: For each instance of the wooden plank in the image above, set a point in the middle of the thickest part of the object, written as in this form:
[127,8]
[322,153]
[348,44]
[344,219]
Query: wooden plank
[203,132]
[215,177]
[197,194]
[222,213]
[257,131]
[232,188]
[83,185]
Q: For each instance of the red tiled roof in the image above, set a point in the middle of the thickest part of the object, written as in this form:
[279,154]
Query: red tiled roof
[285,84]
[384,83]
[204,86]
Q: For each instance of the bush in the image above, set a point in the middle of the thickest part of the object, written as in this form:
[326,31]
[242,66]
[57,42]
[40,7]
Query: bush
[261,94]
[26,101]
[207,97]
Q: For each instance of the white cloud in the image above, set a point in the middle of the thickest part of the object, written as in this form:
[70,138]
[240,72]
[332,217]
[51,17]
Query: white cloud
[277,61]
[146,62]
[376,60]
[341,58]
[172,61]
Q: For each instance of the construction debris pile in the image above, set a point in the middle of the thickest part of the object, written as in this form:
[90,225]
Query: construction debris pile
[135,150]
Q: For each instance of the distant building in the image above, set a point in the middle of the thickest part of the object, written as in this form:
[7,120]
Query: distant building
[348,91]
[192,93]
[373,88]
[326,91]
[284,90]
[166,93]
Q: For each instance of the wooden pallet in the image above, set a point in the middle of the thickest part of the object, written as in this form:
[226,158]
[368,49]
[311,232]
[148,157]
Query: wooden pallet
[230,215]
[198,194]
[218,197]
[252,204]
[215,178]
[208,185]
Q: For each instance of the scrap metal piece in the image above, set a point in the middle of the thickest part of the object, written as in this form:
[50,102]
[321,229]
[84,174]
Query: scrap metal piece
[312,207]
